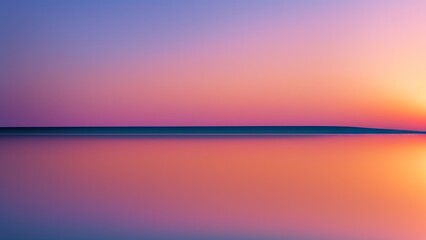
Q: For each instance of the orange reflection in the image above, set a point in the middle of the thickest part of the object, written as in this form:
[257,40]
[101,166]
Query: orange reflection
[366,187]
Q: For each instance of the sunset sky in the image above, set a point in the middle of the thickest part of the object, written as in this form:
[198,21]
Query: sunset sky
[188,62]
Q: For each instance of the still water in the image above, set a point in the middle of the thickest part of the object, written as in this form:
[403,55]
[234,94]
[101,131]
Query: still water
[279,187]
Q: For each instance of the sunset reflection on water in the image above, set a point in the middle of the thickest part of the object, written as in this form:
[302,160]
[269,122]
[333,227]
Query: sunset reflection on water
[332,187]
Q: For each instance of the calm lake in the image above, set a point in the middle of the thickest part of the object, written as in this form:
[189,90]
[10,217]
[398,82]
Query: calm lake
[356,187]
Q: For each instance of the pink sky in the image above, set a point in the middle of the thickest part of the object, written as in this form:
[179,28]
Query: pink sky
[357,63]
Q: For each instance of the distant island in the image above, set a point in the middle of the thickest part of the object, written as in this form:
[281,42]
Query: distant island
[199,130]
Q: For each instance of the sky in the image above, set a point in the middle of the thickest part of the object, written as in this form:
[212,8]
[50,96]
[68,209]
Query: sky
[188,62]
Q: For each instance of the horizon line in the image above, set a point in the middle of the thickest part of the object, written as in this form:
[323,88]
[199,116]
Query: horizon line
[199,130]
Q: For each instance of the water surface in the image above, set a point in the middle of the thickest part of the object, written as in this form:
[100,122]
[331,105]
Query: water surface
[271,187]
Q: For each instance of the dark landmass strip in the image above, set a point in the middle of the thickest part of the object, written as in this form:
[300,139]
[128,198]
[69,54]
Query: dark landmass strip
[199,130]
